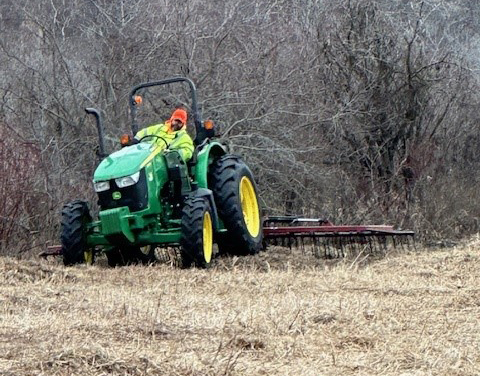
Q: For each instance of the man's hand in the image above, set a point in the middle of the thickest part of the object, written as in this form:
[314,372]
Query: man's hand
[133,141]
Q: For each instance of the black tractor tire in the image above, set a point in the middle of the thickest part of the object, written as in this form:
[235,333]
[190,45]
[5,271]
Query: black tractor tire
[226,176]
[75,216]
[129,255]
[196,243]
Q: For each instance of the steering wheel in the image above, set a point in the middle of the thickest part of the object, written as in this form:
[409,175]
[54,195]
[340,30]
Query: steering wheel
[154,135]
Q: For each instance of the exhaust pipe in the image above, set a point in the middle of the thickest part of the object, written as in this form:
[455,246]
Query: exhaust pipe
[99,123]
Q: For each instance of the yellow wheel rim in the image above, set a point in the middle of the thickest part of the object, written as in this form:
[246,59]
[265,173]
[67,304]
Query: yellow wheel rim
[249,203]
[207,237]
[88,257]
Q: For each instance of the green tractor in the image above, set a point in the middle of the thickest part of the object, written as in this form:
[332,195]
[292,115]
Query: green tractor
[149,197]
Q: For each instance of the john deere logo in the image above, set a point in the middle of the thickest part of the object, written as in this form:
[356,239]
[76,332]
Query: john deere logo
[116,195]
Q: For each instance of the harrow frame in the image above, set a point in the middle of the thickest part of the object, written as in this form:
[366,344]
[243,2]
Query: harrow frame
[321,234]
[296,231]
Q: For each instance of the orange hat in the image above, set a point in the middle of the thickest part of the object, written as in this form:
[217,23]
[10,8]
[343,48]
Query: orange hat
[179,114]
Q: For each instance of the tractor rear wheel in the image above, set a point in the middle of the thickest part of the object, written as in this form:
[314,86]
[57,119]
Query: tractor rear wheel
[197,233]
[237,203]
[75,216]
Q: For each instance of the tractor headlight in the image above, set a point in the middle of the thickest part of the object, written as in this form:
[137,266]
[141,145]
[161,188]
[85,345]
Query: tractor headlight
[127,181]
[101,186]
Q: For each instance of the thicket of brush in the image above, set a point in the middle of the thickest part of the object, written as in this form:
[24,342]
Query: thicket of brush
[359,111]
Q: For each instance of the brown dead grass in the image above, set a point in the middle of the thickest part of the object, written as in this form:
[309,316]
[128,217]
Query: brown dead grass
[279,313]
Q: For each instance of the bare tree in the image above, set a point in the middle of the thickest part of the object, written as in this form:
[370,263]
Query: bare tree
[359,110]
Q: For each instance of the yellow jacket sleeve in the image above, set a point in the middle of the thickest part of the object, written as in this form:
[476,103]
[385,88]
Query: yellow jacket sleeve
[155,129]
[183,143]
[179,141]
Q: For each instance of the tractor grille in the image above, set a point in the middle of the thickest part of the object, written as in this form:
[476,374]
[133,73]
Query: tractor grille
[134,196]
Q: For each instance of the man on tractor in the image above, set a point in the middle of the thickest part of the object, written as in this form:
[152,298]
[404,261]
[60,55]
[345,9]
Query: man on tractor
[172,134]
[150,197]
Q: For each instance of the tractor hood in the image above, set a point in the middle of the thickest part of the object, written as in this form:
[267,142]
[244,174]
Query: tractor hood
[124,162]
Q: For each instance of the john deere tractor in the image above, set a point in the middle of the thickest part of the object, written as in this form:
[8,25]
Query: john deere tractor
[149,198]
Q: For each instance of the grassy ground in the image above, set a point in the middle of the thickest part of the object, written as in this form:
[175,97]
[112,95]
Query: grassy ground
[279,313]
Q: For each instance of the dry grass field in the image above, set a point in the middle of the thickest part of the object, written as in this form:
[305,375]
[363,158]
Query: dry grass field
[279,313]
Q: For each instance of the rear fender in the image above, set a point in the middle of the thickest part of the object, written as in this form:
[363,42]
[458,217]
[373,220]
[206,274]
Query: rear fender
[206,156]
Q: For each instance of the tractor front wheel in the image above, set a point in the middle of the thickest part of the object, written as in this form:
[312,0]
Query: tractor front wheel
[237,203]
[75,216]
[197,233]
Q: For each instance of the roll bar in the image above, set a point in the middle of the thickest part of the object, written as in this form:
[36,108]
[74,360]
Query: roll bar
[201,132]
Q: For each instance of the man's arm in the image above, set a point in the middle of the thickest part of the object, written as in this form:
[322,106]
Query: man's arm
[149,131]
[183,143]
